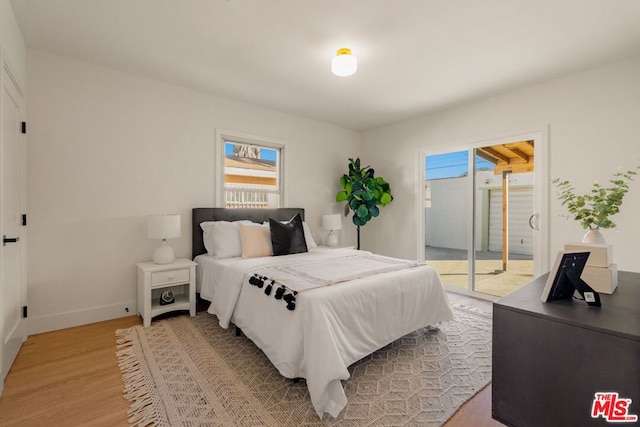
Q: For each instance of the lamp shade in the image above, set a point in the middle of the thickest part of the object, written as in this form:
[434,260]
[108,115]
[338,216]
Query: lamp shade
[344,63]
[332,222]
[163,226]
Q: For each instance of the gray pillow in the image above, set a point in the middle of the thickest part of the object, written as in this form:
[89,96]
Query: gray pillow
[287,238]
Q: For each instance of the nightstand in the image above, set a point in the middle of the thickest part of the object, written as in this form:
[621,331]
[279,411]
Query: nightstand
[178,277]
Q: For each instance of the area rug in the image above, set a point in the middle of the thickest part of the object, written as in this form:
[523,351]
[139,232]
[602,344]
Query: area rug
[185,371]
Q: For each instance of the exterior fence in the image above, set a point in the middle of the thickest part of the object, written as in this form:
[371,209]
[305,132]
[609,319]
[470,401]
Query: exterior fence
[247,198]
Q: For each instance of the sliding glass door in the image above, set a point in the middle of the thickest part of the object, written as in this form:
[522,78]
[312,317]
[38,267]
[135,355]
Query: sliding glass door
[481,219]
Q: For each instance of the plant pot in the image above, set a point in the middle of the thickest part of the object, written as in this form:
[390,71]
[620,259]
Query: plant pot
[593,235]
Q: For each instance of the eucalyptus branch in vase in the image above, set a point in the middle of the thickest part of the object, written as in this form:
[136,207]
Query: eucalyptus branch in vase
[594,209]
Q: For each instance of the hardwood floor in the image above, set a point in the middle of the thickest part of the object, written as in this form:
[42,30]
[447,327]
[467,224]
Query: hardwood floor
[475,413]
[67,378]
[70,378]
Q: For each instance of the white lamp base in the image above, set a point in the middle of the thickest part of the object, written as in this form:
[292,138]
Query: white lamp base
[331,239]
[164,254]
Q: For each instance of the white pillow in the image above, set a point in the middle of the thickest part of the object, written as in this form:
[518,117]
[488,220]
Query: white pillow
[256,240]
[308,237]
[222,238]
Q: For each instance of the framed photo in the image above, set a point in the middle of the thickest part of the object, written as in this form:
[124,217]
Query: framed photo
[560,286]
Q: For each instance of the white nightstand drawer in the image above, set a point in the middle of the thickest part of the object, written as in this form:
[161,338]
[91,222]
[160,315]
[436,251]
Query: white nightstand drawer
[160,278]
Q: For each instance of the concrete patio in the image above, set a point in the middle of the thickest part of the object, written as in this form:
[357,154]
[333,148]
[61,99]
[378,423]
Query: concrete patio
[452,266]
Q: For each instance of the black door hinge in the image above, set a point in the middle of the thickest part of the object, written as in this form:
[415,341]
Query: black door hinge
[24,219]
[24,312]
[24,127]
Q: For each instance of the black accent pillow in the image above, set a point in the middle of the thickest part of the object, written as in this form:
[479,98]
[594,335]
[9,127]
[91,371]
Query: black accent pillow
[287,238]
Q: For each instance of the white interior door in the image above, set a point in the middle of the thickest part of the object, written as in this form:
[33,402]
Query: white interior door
[12,197]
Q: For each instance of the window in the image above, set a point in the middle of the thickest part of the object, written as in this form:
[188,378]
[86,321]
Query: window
[252,175]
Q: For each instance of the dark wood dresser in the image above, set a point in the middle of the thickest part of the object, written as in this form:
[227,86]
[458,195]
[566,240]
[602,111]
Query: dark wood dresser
[550,359]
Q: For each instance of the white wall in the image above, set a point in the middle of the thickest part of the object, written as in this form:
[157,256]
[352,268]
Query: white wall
[12,43]
[106,149]
[446,218]
[592,120]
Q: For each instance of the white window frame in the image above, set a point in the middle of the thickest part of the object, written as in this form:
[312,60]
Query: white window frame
[222,136]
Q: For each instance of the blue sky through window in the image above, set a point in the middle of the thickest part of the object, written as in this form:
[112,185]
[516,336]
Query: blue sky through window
[452,165]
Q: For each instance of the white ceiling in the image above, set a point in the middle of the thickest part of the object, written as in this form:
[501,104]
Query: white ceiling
[414,56]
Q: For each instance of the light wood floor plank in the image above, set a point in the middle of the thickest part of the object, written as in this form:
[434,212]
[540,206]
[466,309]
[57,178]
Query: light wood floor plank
[67,378]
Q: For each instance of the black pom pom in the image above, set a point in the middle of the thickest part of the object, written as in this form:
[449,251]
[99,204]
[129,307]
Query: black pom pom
[289,298]
[291,306]
[279,292]
[267,290]
[256,280]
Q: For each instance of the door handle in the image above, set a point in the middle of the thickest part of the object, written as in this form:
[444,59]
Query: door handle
[6,240]
[534,226]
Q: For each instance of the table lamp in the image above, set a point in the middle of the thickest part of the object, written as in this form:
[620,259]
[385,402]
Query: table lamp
[331,222]
[163,227]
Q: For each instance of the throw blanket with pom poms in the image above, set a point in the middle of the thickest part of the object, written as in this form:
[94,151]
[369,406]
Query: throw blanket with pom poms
[284,282]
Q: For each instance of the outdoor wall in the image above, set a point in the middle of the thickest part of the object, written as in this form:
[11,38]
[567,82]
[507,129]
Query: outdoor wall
[106,149]
[446,219]
[590,118]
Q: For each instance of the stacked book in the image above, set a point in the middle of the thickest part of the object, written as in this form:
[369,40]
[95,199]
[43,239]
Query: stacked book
[600,272]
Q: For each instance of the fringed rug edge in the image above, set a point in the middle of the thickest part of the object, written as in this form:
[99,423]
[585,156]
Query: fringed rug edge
[139,386]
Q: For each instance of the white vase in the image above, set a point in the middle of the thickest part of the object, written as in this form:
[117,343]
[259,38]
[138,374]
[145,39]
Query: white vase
[593,235]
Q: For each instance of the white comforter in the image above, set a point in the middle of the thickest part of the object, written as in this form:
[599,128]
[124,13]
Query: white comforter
[331,326]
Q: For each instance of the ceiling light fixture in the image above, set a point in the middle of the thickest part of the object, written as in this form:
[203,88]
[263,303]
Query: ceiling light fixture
[344,63]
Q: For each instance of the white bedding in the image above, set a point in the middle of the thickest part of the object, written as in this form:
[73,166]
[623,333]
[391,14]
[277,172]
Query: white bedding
[331,326]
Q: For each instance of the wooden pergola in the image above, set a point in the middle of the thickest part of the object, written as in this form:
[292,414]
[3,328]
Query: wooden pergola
[514,157]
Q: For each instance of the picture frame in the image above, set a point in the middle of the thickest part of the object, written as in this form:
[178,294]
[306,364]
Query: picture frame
[559,285]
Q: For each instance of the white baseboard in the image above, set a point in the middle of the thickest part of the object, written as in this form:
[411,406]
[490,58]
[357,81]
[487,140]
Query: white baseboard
[37,325]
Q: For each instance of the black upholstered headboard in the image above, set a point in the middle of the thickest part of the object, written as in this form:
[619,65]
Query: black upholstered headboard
[199,215]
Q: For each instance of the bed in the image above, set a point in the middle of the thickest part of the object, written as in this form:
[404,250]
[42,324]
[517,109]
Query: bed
[353,303]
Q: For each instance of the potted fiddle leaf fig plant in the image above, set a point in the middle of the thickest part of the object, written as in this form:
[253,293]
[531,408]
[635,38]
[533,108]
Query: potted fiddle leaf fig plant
[364,193]
[594,209]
